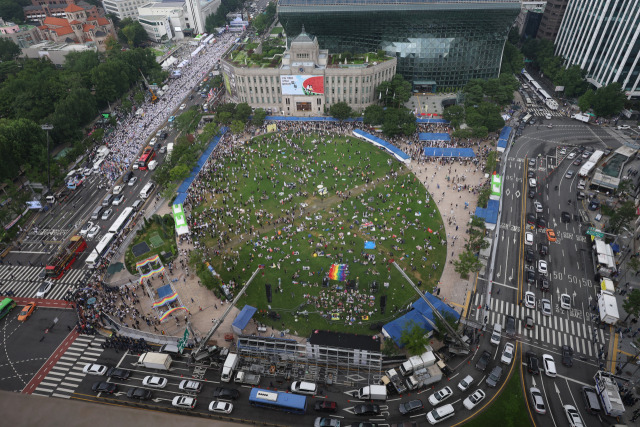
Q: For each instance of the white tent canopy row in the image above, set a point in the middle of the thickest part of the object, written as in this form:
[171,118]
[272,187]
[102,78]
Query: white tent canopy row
[169,62]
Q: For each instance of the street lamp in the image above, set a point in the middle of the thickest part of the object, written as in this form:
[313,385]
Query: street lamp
[48,127]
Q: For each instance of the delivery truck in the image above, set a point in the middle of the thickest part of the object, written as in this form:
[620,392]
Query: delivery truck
[609,394]
[158,361]
[608,308]
[230,365]
[243,377]
[582,117]
[372,392]
[393,381]
[417,362]
[424,377]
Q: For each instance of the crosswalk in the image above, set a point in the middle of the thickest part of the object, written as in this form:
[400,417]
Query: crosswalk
[556,330]
[25,280]
[65,376]
[543,111]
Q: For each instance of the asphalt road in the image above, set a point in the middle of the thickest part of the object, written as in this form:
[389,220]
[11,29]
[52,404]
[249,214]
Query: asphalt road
[542,153]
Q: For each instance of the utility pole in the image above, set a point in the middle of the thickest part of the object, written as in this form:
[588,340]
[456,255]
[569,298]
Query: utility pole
[47,128]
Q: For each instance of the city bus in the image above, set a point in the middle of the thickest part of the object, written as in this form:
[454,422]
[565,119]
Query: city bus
[278,400]
[119,224]
[147,155]
[100,250]
[6,306]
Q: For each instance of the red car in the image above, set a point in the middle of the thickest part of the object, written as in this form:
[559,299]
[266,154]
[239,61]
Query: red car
[326,406]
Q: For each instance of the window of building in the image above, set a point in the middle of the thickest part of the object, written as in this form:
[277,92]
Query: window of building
[319,101]
[287,101]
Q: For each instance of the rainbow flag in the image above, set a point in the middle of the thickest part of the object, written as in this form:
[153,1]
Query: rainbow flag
[147,261]
[151,273]
[166,300]
[166,314]
[338,272]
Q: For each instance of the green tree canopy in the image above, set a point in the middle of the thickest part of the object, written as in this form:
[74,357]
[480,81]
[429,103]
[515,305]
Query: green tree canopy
[373,115]
[622,217]
[8,50]
[573,80]
[242,113]
[586,101]
[631,304]
[394,93]
[608,100]
[454,115]
[258,117]
[237,127]
[467,263]
[414,338]
[341,111]
[132,32]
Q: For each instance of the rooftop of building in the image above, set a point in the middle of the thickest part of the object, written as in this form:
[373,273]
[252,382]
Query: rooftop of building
[345,340]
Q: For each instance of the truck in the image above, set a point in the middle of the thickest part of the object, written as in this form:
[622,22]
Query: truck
[229,365]
[416,362]
[582,117]
[608,308]
[424,377]
[372,392]
[243,377]
[609,394]
[65,257]
[606,285]
[393,381]
[152,360]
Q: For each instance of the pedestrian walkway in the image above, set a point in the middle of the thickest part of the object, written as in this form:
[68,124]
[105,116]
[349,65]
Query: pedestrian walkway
[554,330]
[25,280]
[65,376]
[543,111]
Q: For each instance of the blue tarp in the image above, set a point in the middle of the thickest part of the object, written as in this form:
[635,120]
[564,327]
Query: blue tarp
[331,119]
[504,137]
[369,245]
[242,319]
[428,136]
[165,291]
[421,314]
[184,187]
[393,150]
[490,213]
[448,152]
[432,121]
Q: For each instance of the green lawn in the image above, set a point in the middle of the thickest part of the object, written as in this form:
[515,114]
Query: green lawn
[388,206]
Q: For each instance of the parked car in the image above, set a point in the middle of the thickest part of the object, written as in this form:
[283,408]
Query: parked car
[325,406]
[465,383]
[507,353]
[221,407]
[139,393]
[494,377]
[366,409]
[184,402]
[441,395]
[411,406]
[154,381]
[104,387]
[483,361]
[119,373]
[473,399]
[226,393]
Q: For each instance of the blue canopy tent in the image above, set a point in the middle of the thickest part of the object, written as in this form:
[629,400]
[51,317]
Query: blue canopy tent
[378,142]
[448,152]
[503,140]
[242,319]
[427,136]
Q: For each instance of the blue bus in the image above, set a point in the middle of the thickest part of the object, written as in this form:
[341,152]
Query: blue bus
[278,400]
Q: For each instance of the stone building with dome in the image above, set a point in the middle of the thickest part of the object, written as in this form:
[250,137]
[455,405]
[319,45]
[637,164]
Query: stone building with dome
[78,27]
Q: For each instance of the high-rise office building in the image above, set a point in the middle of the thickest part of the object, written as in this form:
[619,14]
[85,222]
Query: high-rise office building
[551,19]
[438,43]
[602,38]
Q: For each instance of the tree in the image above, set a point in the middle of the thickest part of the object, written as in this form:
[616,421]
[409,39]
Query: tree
[341,111]
[414,338]
[573,81]
[258,117]
[133,32]
[455,115]
[395,92]
[441,328]
[512,60]
[632,304]
[480,132]
[243,111]
[474,93]
[586,101]
[179,173]
[467,263]
[8,50]
[373,115]
[622,216]
[11,11]
[608,100]
[476,235]
[237,127]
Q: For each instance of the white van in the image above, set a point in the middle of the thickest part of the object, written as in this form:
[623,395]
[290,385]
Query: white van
[147,190]
[303,387]
[153,164]
[440,414]
[96,165]
[496,336]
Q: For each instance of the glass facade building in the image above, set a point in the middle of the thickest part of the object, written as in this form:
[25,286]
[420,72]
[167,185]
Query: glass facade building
[438,43]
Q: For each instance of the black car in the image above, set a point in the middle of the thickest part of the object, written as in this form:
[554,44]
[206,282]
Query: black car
[580,195]
[533,365]
[531,276]
[567,356]
[510,326]
[411,406]
[139,393]
[119,373]
[104,387]
[528,255]
[541,222]
[482,363]
[494,377]
[325,406]
[544,284]
[531,219]
[532,194]
[226,393]
[366,409]
[544,250]
[531,174]
[577,161]
[127,177]
[565,217]
[591,400]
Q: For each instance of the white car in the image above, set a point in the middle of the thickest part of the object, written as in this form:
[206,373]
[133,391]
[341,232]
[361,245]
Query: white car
[549,365]
[624,127]
[565,301]
[183,106]
[132,181]
[153,140]
[538,206]
[532,183]
[569,175]
[573,416]
[547,116]
[465,383]
[542,267]
[538,401]
[529,299]
[546,307]
[87,171]
[44,288]
[155,382]
[563,151]
[184,402]
[85,228]
[507,353]
[93,232]
[135,166]
[221,407]
[94,369]
[440,396]
[528,238]
[572,155]
[117,189]
[473,399]
[117,201]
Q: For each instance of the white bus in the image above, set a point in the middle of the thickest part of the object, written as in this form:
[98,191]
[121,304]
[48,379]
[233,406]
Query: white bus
[121,221]
[100,250]
[147,190]
[527,118]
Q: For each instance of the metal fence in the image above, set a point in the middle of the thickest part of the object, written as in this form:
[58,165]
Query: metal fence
[148,336]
